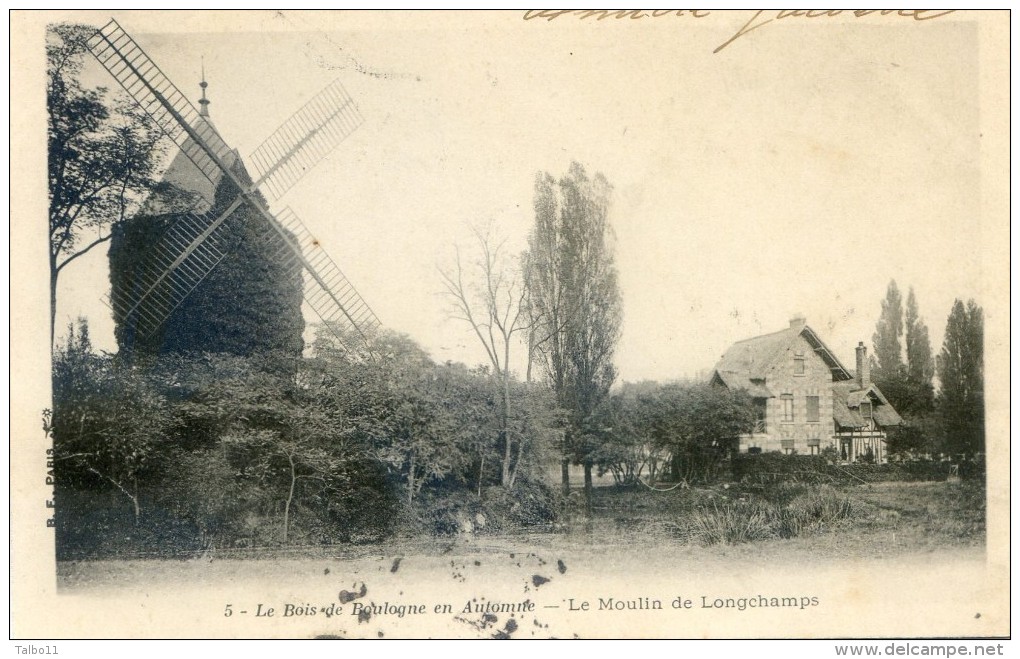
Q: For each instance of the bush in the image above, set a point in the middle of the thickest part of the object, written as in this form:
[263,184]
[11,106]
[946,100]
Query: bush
[770,468]
[449,510]
[101,524]
[529,504]
[816,510]
[765,468]
[819,510]
[733,523]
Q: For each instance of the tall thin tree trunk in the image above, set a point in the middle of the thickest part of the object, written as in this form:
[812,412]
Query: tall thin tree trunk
[138,508]
[505,477]
[531,354]
[290,497]
[53,305]
[517,465]
[133,497]
[481,472]
[587,487]
[565,472]
[410,480]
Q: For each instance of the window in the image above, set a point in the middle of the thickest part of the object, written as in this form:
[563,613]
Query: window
[866,414]
[760,415]
[813,445]
[786,400]
[788,446]
[798,363]
[812,409]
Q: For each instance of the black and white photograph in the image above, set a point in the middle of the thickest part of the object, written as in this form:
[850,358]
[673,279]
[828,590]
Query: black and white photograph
[521,324]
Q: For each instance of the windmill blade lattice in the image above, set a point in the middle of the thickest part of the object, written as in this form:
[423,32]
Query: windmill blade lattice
[171,271]
[159,98]
[326,289]
[303,140]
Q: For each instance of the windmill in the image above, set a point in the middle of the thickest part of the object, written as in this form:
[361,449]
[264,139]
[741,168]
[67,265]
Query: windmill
[194,245]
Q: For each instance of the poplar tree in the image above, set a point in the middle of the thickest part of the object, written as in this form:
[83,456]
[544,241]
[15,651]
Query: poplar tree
[961,373]
[575,305]
[920,361]
[887,358]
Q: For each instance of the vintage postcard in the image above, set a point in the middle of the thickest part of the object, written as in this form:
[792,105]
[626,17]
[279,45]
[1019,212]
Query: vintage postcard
[522,324]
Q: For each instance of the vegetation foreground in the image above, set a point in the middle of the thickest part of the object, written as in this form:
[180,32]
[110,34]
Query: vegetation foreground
[720,525]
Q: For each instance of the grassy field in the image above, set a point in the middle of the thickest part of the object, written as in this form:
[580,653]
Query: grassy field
[888,518]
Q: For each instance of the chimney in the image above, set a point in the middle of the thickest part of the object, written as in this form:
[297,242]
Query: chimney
[797,321]
[863,367]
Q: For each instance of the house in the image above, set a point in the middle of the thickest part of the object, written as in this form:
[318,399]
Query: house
[806,400]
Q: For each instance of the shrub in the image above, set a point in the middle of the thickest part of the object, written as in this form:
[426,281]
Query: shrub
[812,510]
[529,504]
[448,509]
[733,523]
[765,468]
[91,525]
[818,510]
[770,468]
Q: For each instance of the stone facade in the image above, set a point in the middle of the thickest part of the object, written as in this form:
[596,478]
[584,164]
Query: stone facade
[807,399]
[787,378]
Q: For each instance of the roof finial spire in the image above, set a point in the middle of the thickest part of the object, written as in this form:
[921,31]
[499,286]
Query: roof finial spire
[204,102]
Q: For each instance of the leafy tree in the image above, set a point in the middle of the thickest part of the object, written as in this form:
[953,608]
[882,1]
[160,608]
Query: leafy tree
[631,452]
[919,436]
[282,442]
[961,374]
[575,305]
[687,428]
[908,386]
[103,156]
[303,448]
[537,424]
[699,424]
[911,390]
[110,425]
[887,360]
[426,422]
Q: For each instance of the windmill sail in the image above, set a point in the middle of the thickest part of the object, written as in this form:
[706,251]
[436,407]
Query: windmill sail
[304,139]
[159,98]
[326,289]
[170,273]
[280,161]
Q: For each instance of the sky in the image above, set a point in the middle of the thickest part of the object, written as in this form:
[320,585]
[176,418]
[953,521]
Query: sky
[796,171]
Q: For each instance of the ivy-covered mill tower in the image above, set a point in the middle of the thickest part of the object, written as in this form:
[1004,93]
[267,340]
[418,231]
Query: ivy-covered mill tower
[249,304]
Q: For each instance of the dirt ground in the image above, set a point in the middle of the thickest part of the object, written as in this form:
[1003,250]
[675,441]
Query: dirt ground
[921,549]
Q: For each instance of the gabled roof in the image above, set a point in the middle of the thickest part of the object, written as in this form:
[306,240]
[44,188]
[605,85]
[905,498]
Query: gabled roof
[839,372]
[846,404]
[755,387]
[751,359]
